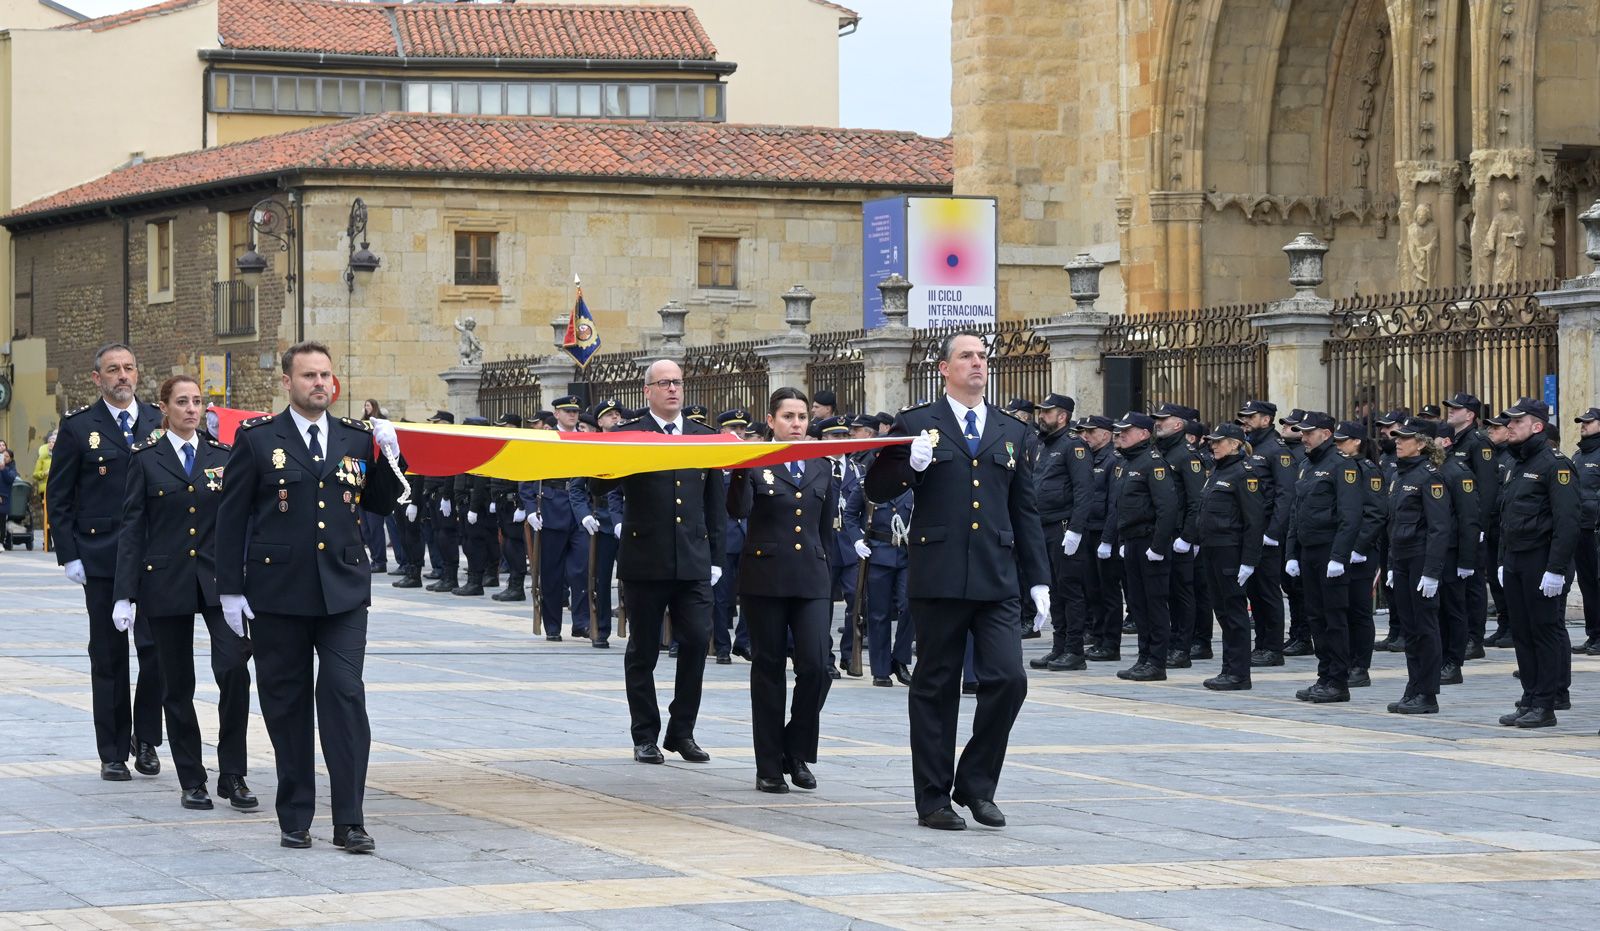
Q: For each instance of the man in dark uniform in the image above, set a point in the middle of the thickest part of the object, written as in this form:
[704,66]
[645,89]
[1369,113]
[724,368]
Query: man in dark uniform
[289,556]
[471,496]
[1144,518]
[1297,637]
[1100,566]
[84,497]
[563,546]
[1322,533]
[975,525]
[725,592]
[1189,476]
[1022,409]
[670,558]
[1497,431]
[1232,522]
[409,547]
[1388,424]
[601,516]
[1275,473]
[439,508]
[698,413]
[504,505]
[1586,555]
[842,559]
[1473,450]
[1539,529]
[1065,473]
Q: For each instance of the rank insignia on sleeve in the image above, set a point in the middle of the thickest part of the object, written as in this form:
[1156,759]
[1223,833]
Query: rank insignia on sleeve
[1252,485]
[1564,476]
[1466,485]
[1350,476]
[1194,465]
[1377,483]
[1436,490]
[1159,473]
[1488,453]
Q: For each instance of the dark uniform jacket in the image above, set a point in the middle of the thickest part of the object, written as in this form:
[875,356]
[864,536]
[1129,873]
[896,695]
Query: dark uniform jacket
[1586,462]
[847,478]
[1539,506]
[790,529]
[437,489]
[733,534]
[1190,472]
[1089,514]
[1473,451]
[875,523]
[1419,515]
[470,493]
[1233,507]
[288,537]
[1466,498]
[605,508]
[975,525]
[672,522]
[1327,504]
[1066,478]
[1374,509]
[1145,500]
[503,495]
[1277,482]
[84,493]
[167,551]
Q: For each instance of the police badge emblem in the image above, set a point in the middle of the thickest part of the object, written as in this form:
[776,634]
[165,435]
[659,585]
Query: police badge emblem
[1194,465]
[1252,485]
[1350,476]
[1436,490]
[1286,460]
[1159,473]
[1488,453]
[1466,485]
[279,458]
[766,476]
[94,439]
[1377,483]
[1079,451]
[1564,476]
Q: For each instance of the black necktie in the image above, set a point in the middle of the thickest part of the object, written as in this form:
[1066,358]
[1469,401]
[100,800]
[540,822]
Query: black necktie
[669,428]
[314,446]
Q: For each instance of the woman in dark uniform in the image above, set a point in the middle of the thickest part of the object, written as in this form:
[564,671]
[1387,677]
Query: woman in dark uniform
[1233,517]
[166,563]
[1351,439]
[1419,542]
[784,592]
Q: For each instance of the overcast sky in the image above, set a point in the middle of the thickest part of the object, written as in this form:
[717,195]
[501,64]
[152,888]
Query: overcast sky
[894,72]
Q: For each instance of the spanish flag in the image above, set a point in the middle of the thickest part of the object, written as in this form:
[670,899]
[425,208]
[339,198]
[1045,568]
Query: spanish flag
[582,340]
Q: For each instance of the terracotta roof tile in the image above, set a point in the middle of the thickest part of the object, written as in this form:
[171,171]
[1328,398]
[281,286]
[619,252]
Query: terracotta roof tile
[127,17]
[696,153]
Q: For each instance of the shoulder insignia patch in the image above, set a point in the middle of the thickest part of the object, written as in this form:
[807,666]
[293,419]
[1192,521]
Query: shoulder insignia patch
[1194,465]
[358,424]
[1350,476]
[1488,453]
[1436,490]
[1253,485]
[1564,476]
[256,421]
[1159,473]
[916,407]
[218,444]
[1285,460]
[141,447]
[1377,482]
[77,410]
[1466,485]
[1080,451]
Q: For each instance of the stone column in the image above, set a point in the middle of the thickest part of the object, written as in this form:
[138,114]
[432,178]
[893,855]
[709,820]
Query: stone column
[1577,309]
[886,350]
[1295,330]
[461,390]
[788,353]
[556,374]
[1074,338]
[672,330]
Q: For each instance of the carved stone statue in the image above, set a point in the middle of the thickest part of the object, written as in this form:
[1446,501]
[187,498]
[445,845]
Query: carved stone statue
[1504,241]
[1544,223]
[1422,246]
[470,349]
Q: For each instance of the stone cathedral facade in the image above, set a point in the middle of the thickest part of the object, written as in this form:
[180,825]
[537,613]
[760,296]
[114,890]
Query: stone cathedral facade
[1433,143]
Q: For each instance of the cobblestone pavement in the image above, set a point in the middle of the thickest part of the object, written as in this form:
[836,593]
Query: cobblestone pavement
[502,794]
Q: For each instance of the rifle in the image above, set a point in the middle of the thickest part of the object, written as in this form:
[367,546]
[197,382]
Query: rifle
[622,614]
[594,608]
[858,622]
[532,538]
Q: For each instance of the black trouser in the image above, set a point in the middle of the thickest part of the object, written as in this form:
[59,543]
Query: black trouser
[605,562]
[1108,633]
[648,604]
[1491,550]
[1477,588]
[1363,629]
[1417,620]
[408,540]
[1544,651]
[1204,609]
[1586,560]
[230,667]
[1299,624]
[513,547]
[844,582]
[1265,590]
[376,540]
[1453,616]
[447,535]
[943,628]
[478,542]
[1148,584]
[1221,567]
[308,677]
[724,598]
[1069,593]
[118,722]
[775,623]
[1327,607]
[888,619]
[1181,600]
[563,570]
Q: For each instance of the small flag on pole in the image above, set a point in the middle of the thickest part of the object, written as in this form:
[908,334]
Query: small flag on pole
[581,341]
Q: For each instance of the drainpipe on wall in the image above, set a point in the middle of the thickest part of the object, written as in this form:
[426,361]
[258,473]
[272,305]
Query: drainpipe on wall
[127,279]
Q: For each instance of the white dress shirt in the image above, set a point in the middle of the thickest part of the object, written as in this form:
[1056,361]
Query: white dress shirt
[178,443]
[677,424]
[321,422]
[960,410]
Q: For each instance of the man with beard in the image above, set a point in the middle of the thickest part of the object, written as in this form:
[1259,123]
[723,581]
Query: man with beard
[1189,476]
[1145,518]
[1066,476]
[1265,586]
[1470,448]
[1322,534]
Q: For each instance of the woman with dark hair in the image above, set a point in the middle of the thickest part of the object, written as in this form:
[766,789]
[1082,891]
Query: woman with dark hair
[1351,439]
[1420,526]
[166,564]
[784,592]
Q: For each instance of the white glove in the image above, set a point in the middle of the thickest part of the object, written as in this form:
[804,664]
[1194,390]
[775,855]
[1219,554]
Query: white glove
[1154,556]
[1103,551]
[1335,568]
[1071,542]
[1500,575]
[591,524]
[491,507]
[716,574]
[122,614]
[536,520]
[1388,579]
[383,432]
[863,550]
[1356,559]
[1292,568]
[444,507]
[411,513]
[617,529]
[1245,572]
[75,573]
[472,517]
[1041,606]
[921,452]
[1550,585]
[518,516]
[1268,541]
[1428,587]
[234,610]
[1181,545]
[1122,551]
[1480,536]
[1463,573]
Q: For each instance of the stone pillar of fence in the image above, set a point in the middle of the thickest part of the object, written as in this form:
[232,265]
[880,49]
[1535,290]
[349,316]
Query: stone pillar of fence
[555,371]
[1295,329]
[788,352]
[886,351]
[461,390]
[1577,308]
[1074,338]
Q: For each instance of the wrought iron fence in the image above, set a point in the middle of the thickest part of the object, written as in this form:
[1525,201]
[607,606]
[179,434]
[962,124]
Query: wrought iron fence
[509,386]
[1210,359]
[616,375]
[1405,350]
[1019,361]
[726,376]
[837,367]
[235,304]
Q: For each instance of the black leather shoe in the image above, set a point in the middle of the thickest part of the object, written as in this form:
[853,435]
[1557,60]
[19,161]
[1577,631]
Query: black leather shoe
[580,633]
[1305,693]
[688,749]
[353,838]
[236,793]
[1129,627]
[1100,654]
[1450,674]
[723,659]
[1581,648]
[552,638]
[146,761]
[195,799]
[984,811]
[1383,645]
[672,651]
[1398,645]
[445,583]
[1474,649]
[1145,672]
[115,772]
[299,840]
[775,785]
[903,673]
[1201,651]
[1178,659]
[647,753]
[1043,662]
[601,644]
[969,688]
[398,570]
[1068,662]
[431,574]
[800,774]
[945,819]
[1260,658]
[1414,704]
[1227,682]
[883,682]
[1592,649]
[1500,639]
[1510,720]
[742,652]
[1563,704]
[1359,679]
[1323,694]
[1028,633]
[1537,717]
[492,581]
[470,590]
[512,593]
[1298,648]
[408,581]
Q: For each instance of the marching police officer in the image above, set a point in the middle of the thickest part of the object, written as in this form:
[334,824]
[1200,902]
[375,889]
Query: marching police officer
[1322,534]
[1420,529]
[724,638]
[1586,554]
[1277,479]
[1066,478]
[1232,521]
[289,556]
[1146,516]
[84,497]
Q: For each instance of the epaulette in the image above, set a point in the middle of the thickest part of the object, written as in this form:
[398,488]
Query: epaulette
[919,406]
[629,423]
[218,444]
[1001,410]
[256,421]
[358,424]
[147,444]
[76,411]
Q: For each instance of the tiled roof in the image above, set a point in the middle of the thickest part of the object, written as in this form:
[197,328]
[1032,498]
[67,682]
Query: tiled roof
[448,30]
[695,153]
[845,13]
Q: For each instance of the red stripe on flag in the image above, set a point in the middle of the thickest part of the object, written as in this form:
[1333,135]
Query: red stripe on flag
[440,454]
